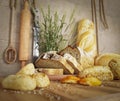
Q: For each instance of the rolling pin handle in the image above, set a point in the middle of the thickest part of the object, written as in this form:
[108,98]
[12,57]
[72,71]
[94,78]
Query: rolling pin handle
[23,63]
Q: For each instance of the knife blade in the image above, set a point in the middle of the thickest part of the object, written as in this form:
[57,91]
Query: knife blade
[36,31]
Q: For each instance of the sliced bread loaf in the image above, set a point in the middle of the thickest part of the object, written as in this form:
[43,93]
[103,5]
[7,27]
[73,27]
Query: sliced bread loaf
[54,61]
[73,62]
[81,56]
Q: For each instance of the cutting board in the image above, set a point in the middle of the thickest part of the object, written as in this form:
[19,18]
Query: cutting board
[56,91]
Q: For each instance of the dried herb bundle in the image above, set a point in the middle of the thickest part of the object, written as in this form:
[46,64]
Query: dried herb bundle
[51,37]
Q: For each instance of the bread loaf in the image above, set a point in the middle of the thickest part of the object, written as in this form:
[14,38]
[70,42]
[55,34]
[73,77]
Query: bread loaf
[80,55]
[104,59]
[19,82]
[86,38]
[42,79]
[29,69]
[26,79]
[100,72]
[86,60]
[90,81]
[114,65]
[50,60]
[85,25]
[70,79]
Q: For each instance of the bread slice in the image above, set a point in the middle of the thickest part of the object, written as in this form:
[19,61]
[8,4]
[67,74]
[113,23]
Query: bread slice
[72,51]
[51,71]
[73,62]
[81,56]
[114,65]
[54,61]
[100,72]
[104,59]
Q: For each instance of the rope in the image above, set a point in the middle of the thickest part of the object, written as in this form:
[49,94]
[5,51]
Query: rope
[102,14]
[94,19]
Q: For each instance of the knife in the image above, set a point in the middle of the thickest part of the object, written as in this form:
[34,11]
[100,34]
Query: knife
[36,31]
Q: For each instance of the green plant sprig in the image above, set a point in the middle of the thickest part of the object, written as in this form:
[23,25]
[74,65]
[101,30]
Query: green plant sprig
[51,37]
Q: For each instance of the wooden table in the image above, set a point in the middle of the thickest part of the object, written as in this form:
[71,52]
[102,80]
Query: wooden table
[109,91]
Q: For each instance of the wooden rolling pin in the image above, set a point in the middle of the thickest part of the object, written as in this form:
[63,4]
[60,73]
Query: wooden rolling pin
[25,34]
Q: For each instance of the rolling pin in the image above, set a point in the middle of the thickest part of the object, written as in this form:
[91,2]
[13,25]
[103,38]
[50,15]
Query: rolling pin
[25,34]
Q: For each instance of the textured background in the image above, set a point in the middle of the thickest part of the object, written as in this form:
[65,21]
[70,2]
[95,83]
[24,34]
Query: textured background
[108,39]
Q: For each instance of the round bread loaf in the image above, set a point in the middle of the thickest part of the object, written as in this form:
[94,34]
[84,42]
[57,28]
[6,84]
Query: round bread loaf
[29,69]
[104,59]
[19,82]
[42,79]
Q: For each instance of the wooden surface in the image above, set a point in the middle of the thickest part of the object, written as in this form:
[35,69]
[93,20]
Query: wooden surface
[65,92]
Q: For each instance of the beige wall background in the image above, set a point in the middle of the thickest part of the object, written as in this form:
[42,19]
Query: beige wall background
[108,39]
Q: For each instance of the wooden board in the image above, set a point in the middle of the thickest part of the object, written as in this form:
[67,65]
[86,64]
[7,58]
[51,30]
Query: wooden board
[65,92]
